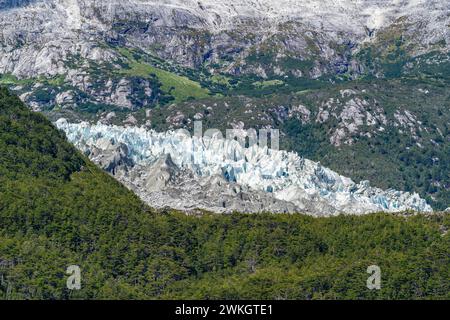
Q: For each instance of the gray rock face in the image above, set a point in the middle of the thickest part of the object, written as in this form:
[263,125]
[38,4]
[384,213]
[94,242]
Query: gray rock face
[78,39]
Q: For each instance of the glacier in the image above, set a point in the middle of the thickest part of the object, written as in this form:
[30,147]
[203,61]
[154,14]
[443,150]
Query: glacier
[147,161]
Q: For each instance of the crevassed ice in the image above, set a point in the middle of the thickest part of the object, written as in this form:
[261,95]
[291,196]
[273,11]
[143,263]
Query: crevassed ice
[285,174]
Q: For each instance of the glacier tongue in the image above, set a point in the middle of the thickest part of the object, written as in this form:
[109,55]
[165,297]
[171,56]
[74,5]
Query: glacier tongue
[280,178]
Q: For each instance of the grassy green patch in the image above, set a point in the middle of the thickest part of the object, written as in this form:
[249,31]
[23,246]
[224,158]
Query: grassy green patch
[268,83]
[9,79]
[180,87]
[221,79]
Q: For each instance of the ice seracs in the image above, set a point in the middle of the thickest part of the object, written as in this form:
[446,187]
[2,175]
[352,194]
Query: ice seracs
[222,176]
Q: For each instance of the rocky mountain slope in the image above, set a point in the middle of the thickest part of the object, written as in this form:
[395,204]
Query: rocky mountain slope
[341,79]
[71,47]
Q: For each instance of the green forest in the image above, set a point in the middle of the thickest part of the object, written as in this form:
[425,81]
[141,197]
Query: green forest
[58,209]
